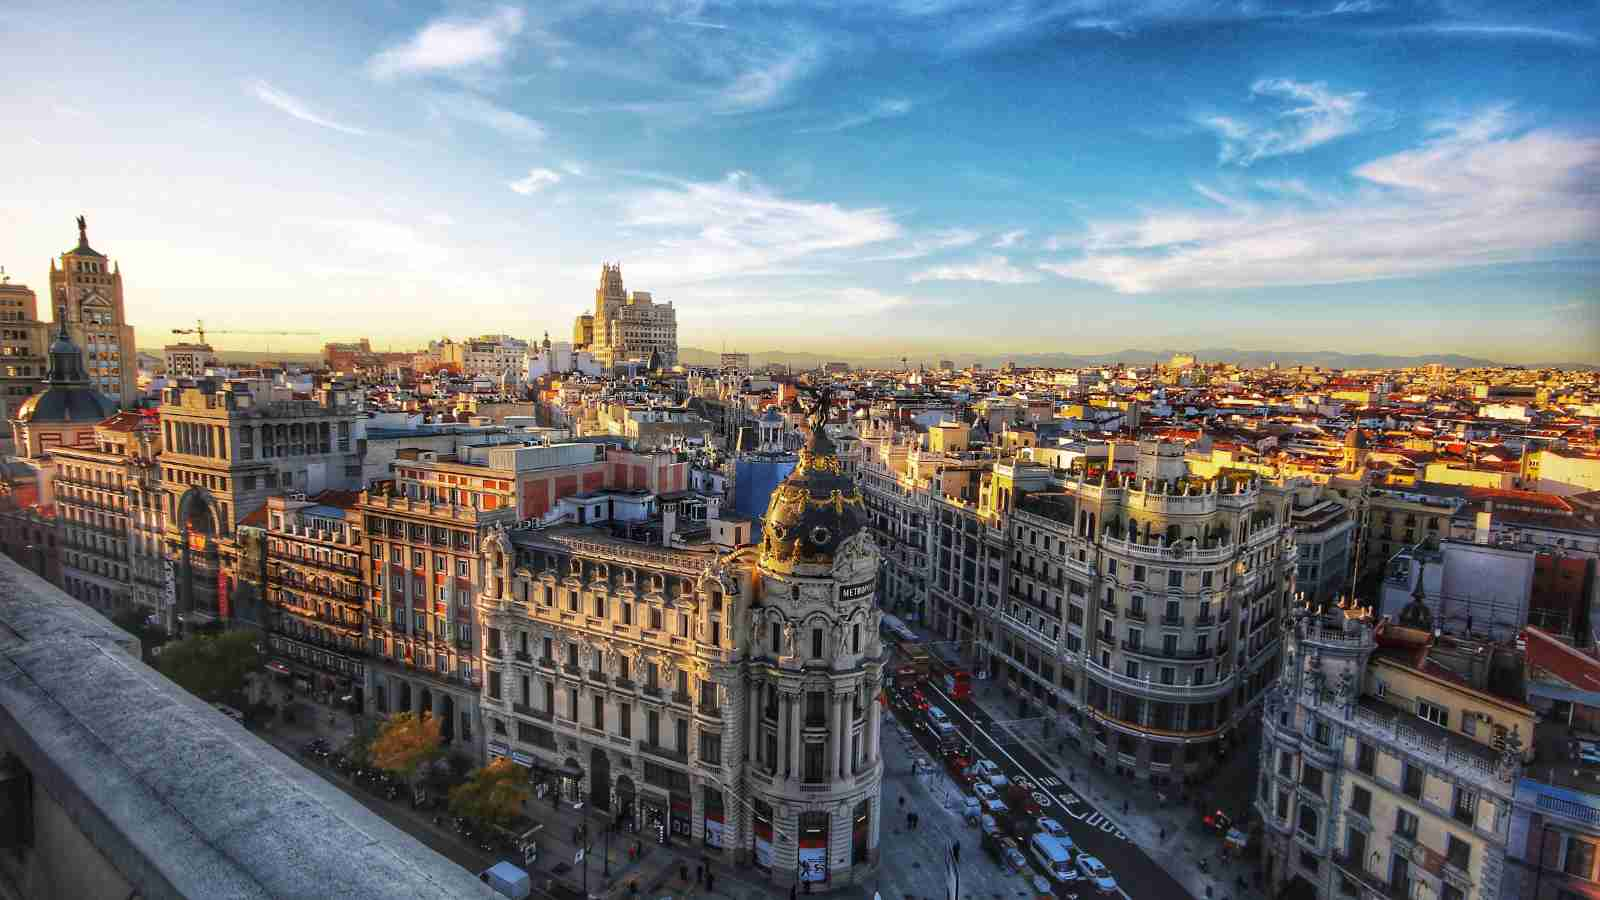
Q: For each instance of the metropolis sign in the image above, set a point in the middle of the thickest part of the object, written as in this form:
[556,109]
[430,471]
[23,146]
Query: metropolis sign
[856,591]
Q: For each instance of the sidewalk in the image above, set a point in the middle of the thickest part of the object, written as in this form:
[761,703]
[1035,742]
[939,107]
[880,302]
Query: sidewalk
[1170,832]
[655,874]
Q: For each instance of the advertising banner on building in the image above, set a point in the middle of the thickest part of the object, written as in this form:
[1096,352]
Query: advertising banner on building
[714,829]
[814,859]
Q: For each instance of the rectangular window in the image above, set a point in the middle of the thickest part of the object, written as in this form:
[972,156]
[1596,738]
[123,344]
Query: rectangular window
[1282,808]
[1366,758]
[711,749]
[1138,573]
[494,684]
[1466,807]
[1361,801]
[1411,782]
[1580,859]
[816,643]
[1434,713]
[1405,823]
[625,719]
[652,728]
[1457,852]
[1311,779]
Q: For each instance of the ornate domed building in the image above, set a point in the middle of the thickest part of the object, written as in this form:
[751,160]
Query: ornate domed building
[725,699]
[815,674]
[65,413]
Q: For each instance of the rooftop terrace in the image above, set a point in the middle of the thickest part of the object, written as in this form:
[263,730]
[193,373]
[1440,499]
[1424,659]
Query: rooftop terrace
[140,789]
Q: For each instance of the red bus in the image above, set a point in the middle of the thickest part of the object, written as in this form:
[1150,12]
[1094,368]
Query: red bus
[958,683]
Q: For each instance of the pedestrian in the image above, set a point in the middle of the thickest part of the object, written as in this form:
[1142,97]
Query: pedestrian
[793,890]
[902,801]
[955,852]
[1163,833]
[709,879]
[699,873]
[909,817]
[683,872]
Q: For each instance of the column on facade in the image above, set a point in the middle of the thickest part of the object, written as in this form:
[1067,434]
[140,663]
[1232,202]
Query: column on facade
[874,714]
[792,742]
[752,741]
[841,732]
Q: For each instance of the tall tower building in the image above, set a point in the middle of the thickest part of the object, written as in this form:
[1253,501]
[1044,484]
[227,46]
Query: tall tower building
[86,291]
[627,327]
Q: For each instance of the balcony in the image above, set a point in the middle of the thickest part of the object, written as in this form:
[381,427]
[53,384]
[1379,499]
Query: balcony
[1172,621]
[663,752]
[524,657]
[1138,615]
[1156,689]
[1372,884]
[1109,610]
[680,698]
[1164,653]
[1204,621]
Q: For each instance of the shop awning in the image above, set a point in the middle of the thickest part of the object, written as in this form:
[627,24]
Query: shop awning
[278,667]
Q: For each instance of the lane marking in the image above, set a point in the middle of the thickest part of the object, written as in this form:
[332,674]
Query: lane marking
[1020,767]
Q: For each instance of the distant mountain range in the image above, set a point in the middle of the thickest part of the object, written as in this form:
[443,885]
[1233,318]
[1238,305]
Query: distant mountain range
[1327,359]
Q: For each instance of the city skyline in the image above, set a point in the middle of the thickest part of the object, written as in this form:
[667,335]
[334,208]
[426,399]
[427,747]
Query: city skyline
[1353,176]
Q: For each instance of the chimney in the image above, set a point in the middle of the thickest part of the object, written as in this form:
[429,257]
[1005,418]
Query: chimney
[669,522]
[1484,520]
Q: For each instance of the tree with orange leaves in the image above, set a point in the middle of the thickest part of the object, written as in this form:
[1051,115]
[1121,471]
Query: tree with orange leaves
[494,794]
[406,743]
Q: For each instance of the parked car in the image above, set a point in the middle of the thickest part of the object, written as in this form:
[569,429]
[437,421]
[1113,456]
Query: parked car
[988,770]
[1011,858]
[230,712]
[1051,827]
[1097,874]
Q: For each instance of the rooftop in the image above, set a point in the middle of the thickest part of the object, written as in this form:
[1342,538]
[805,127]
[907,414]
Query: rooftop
[178,799]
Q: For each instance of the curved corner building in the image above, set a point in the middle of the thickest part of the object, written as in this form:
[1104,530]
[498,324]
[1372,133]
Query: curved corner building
[724,701]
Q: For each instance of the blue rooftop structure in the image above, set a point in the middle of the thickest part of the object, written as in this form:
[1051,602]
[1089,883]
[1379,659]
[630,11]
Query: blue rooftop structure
[754,480]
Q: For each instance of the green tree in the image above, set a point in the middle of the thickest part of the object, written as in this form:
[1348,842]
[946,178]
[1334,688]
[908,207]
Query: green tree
[212,667]
[405,743]
[493,794]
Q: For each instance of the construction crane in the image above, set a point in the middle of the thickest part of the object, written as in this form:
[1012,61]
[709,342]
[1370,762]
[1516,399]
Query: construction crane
[200,329]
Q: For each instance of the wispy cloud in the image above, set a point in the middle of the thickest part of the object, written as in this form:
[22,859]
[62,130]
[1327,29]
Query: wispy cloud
[1479,192]
[1009,239]
[536,180]
[452,45]
[294,106]
[1314,116]
[705,230]
[994,269]
[1500,32]
[475,110]
[764,85]
[947,239]
[892,108]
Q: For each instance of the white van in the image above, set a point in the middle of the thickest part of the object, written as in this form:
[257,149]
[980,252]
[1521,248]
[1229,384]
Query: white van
[1052,857]
[943,729]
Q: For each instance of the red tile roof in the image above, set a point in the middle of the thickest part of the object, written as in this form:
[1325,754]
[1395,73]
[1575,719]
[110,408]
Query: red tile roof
[1576,668]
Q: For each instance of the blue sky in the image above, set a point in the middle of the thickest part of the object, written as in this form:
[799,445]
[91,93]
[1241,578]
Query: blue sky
[925,177]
